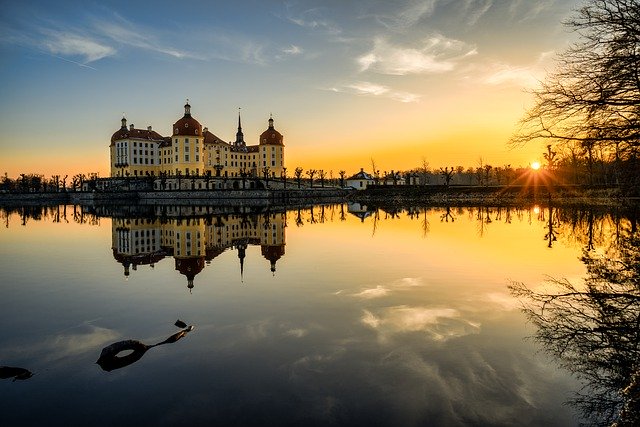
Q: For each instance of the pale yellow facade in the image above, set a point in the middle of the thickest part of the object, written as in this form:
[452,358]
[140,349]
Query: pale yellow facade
[195,241]
[139,153]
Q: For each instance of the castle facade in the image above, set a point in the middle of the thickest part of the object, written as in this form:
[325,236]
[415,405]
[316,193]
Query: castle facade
[194,151]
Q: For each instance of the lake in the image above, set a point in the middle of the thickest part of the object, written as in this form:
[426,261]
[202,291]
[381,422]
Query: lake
[318,315]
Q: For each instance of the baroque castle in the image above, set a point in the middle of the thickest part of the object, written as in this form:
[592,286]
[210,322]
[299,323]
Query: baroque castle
[194,151]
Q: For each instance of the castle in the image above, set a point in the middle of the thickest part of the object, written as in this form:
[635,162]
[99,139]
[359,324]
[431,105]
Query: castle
[194,241]
[194,151]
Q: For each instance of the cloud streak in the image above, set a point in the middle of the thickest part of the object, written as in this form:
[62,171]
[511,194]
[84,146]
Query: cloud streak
[312,19]
[123,32]
[364,88]
[439,323]
[75,45]
[408,16]
[437,54]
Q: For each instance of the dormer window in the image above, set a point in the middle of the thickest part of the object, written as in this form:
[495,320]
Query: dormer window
[176,131]
[186,125]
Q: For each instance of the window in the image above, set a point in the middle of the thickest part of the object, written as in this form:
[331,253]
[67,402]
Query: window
[186,157]
[197,158]
[176,158]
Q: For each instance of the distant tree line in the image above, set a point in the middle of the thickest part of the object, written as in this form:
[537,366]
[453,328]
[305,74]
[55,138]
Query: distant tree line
[37,183]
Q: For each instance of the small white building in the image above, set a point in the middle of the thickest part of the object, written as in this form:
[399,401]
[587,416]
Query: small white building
[360,181]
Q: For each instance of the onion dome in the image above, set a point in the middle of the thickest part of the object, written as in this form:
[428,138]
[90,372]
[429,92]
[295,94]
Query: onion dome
[272,253]
[271,136]
[187,125]
[190,267]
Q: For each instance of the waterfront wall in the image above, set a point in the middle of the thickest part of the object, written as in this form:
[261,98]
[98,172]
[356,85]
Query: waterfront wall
[179,197]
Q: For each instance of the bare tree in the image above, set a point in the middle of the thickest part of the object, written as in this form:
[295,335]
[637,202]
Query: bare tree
[311,173]
[447,174]
[342,175]
[322,174]
[298,174]
[424,169]
[593,99]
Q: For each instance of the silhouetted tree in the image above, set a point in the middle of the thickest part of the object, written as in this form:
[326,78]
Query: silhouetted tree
[322,174]
[447,174]
[298,174]
[592,330]
[593,99]
[342,175]
[311,173]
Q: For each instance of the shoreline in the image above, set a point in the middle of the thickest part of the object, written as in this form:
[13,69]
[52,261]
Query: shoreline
[384,195]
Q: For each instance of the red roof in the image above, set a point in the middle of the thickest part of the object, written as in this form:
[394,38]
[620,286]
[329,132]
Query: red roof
[210,138]
[271,136]
[127,133]
[187,125]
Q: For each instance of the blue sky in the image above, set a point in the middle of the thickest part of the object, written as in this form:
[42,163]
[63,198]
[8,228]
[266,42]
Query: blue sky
[346,81]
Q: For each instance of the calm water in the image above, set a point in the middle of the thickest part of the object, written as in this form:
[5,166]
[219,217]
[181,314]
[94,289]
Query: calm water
[334,315]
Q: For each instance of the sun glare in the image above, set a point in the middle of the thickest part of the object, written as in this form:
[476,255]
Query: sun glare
[535,165]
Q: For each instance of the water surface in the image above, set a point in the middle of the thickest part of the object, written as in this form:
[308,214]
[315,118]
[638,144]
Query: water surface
[325,315]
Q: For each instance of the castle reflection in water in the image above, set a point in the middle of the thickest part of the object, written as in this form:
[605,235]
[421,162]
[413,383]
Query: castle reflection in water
[194,241]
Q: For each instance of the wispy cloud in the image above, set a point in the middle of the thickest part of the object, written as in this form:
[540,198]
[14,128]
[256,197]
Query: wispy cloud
[373,89]
[313,19]
[526,76]
[476,9]
[75,45]
[384,290]
[124,32]
[440,323]
[378,291]
[525,10]
[293,50]
[437,54]
[511,75]
[80,339]
[406,17]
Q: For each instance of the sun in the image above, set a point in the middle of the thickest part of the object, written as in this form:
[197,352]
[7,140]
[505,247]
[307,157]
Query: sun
[535,165]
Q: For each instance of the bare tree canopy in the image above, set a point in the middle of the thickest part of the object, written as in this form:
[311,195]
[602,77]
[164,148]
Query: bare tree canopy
[593,99]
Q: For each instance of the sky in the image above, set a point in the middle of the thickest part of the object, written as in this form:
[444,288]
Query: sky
[398,82]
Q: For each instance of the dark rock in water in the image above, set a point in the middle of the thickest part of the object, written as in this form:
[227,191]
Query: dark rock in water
[180,324]
[15,373]
[109,359]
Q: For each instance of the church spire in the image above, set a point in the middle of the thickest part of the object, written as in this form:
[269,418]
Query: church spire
[239,134]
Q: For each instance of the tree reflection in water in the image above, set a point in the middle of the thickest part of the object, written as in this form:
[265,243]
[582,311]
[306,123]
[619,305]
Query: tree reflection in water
[593,329]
